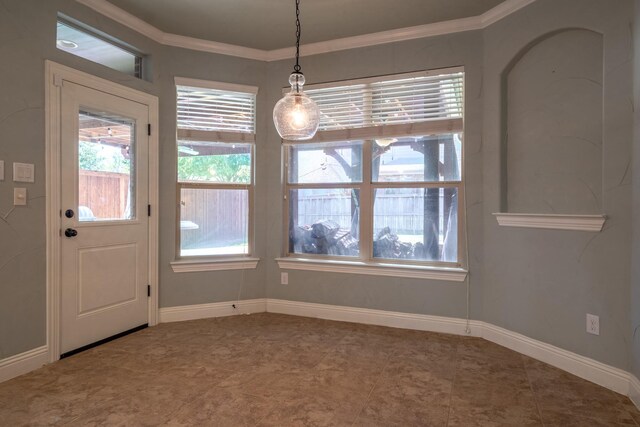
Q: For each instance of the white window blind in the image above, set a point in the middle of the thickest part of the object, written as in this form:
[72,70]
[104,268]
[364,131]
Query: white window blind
[208,109]
[431,100]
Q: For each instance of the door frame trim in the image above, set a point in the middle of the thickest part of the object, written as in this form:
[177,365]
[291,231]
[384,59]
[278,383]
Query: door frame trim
[55,74]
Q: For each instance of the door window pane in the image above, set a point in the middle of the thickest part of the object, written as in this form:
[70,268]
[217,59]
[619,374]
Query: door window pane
[106,171]
[213,222]
[219,162]
[324,221]
[416,223]
[339,162]
[417,159]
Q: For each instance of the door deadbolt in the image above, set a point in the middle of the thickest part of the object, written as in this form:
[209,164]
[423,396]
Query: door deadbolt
[69,213]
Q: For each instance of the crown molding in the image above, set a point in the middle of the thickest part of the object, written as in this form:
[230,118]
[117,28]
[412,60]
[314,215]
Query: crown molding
[383,37]
[185,42]
[401,34]
[502,10]
[125,18]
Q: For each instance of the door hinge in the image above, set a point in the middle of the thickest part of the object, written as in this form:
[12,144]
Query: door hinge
[149,129]
[148,210]
[148,290]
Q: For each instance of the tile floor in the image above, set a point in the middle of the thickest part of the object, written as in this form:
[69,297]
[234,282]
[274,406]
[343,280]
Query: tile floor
[275,370]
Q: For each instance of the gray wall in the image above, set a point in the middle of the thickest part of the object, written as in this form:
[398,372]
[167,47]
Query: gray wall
[385,293]
[635,250]
[197,288]
[27,39]
[541,283]
[553,107]
[536,282]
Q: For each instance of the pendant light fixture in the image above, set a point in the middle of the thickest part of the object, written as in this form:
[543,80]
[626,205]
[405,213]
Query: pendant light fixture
[296,116]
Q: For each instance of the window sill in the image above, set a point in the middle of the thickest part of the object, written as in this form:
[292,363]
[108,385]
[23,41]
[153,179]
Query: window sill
[190,266]
[375,269]
[552,221]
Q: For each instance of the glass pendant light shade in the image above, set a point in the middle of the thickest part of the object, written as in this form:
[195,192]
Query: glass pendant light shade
[296,116]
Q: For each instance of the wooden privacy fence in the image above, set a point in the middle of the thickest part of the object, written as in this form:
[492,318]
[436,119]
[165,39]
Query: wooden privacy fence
[213,217]
[402,213]
[105,193]
[219,216]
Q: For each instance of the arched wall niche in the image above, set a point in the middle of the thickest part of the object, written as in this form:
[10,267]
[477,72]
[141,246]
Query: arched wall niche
[552,125]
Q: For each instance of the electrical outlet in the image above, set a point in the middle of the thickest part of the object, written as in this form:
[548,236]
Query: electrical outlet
[284,278]
[593,324]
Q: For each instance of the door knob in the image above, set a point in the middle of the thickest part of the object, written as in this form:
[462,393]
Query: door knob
[70,232]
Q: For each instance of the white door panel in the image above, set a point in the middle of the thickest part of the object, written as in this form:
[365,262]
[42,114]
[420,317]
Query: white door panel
[104,195]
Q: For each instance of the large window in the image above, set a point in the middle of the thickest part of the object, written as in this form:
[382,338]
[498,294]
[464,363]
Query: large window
[382,179]
[215,145]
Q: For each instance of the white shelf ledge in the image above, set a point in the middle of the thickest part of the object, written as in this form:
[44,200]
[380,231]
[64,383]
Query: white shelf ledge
[374,269]
[190,266]
[552,221]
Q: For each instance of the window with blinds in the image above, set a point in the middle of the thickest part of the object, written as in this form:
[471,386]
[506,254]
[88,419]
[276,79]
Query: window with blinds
[382,180]
[210,109]
[215,144]
[433,98]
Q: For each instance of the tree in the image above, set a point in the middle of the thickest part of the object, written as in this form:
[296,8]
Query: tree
[89,156]
[221,168]
[96,157]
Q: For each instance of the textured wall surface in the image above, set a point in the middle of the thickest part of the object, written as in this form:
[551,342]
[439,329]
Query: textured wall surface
[554,110]
[27,39]
[634,300]
[540,283]
[386,293]
[198,288]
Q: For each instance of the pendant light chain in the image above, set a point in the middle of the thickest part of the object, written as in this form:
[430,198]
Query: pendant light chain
[297,67]
[296,116]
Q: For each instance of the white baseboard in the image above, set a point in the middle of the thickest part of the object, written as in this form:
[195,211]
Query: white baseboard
[422,322]
[22,363]
[607,376]
[634,390]
[216,309]
[591,370]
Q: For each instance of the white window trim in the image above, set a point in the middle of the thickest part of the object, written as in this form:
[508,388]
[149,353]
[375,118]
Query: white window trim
[208,84]
[237,263]
[419,269]
[187,264]
[374,268]
[378,79]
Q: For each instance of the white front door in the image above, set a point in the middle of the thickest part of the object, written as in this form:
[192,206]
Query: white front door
[104,194]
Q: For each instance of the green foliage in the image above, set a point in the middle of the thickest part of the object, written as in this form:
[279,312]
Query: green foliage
[234,168]
[102,158]
[89,157]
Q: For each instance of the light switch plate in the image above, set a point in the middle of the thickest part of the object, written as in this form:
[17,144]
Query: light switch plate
[19,196]
[1,170]
[593,324]
[23,172]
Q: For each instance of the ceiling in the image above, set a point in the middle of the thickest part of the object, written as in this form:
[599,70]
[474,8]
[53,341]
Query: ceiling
[270,24]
